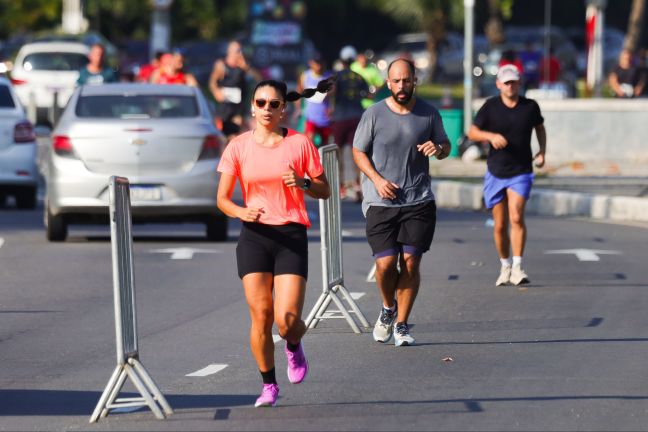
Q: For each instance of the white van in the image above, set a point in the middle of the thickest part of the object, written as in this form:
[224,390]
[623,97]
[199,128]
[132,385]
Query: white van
[42,69]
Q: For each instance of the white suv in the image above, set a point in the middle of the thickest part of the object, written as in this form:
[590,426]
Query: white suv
[44,68]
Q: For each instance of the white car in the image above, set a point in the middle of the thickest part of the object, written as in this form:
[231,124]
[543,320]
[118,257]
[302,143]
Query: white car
[42,69]
[161,137]
[18,171]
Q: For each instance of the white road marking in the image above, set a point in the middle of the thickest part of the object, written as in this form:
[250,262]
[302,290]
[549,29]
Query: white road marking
[276,338]
[1,241]
[209,370]
[585,254]
[183,253]
[356,295]
[346,233]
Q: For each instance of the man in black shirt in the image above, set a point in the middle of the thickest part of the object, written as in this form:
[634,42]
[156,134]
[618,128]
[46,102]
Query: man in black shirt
[507,122]
[627,80]
[350,90]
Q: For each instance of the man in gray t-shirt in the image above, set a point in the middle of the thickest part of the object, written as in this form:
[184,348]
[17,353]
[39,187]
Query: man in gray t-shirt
[392,146]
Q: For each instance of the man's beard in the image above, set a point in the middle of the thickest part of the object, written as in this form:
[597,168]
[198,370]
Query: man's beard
[404,101]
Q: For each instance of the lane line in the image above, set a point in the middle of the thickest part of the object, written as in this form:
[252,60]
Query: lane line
[209,370]
[355,295]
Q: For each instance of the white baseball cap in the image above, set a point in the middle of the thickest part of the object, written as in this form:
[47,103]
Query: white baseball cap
[348,53]
[508,73]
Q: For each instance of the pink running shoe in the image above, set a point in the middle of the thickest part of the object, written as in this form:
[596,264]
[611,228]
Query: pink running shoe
[269,396]
[297,364]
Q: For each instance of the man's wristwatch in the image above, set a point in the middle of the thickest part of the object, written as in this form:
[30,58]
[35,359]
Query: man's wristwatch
[306,185]
[440,151]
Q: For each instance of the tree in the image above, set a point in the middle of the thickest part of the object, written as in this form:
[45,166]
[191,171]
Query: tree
[22,16]
[498,10]
[430,16]
[635,22]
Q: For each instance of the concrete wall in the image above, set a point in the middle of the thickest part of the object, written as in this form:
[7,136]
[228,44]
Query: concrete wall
[586,130]
[468,196]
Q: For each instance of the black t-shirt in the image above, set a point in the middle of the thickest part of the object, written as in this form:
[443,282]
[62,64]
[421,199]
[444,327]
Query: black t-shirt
[516,125]
[631,76]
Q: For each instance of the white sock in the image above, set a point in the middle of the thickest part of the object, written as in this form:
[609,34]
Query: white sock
[517,260]
[393,308]
[506,262]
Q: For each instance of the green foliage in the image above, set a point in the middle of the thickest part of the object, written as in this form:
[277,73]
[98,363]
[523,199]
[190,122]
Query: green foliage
[21,16]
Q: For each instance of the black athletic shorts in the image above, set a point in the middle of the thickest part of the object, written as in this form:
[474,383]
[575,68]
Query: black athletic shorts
[276,249]
[389,229]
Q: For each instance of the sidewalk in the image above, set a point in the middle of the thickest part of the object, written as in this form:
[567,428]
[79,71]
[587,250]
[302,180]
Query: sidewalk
[606,191]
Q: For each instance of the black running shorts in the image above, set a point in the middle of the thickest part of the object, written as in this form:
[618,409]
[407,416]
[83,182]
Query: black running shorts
[391,228]
[276,249]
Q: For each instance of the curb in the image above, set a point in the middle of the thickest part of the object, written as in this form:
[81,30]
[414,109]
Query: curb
[547,202]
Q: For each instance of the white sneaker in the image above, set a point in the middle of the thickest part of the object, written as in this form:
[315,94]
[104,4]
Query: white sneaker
[402,336]
[519,276]
[504,276]
[382,331]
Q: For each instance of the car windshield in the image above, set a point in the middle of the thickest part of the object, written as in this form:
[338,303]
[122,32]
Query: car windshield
[136,106]
[54,61]
[6,101]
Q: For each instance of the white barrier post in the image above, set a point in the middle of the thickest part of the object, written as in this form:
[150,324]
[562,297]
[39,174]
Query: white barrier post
[331,241]
[128,365]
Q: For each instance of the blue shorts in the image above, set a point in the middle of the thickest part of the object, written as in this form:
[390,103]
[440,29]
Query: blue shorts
[495,187]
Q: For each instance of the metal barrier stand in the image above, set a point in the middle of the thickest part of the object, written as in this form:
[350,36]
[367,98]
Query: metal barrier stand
[331,247]
[128,365]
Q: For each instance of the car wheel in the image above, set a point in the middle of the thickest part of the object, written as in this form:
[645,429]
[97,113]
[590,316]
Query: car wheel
[26,199]
[55,226]
[217,228]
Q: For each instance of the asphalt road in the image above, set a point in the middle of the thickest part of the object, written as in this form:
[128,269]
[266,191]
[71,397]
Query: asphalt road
[566,352]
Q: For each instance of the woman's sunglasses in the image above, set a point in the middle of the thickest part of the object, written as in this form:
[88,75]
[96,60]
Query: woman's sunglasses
[261,103]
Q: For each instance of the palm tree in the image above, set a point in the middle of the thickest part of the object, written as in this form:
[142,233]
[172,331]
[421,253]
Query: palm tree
[634,25]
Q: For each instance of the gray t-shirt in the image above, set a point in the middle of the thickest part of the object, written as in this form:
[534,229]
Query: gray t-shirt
[390,141]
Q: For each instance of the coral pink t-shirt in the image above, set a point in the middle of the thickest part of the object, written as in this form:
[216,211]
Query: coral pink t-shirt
[260,169]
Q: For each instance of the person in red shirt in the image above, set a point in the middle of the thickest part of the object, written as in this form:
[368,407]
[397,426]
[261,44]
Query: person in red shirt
[550,69]
[171,71]
[145,72]
[275,167]
[509,56]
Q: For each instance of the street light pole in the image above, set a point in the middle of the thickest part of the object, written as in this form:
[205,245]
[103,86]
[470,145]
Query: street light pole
[594,25]
[160,38]
[469,23]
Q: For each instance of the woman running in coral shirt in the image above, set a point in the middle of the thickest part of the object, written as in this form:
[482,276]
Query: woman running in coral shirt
[275,166]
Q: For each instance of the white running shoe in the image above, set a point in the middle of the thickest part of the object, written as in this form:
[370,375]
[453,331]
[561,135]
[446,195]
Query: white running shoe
[504,276]
[402,336]
[519,276]
[382,331]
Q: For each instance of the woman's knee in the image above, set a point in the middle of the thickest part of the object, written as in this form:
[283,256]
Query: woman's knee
[262,318]
[287,324]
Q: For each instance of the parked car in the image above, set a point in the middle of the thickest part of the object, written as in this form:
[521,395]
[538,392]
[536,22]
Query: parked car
[42,69]
[517,39]
[450,63]
[449,59]
[161,137]
[18,171]
[413,45]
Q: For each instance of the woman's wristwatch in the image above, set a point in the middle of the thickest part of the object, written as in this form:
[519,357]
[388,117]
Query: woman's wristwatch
[306,185]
